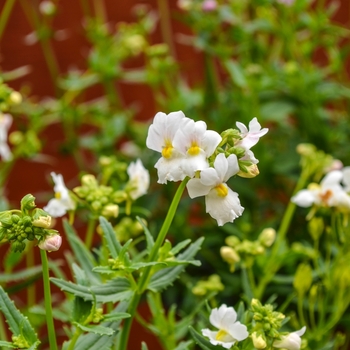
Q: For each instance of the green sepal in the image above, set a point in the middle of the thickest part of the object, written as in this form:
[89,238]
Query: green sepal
[18,323]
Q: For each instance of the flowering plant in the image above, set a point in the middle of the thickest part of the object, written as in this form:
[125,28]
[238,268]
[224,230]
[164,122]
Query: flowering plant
[124,236]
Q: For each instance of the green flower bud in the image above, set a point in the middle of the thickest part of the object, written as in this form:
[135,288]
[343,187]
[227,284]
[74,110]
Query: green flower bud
[89,180]
[258,341]
[15,218]
[15,98]
[303,279]
[267,237]
[251,171]
[232,241]
[315,227]
[28,203]
[6,219]
[230,256]
[27,221]
[20,341]
[41,219]
[111,210]
[18,246]
[98,315]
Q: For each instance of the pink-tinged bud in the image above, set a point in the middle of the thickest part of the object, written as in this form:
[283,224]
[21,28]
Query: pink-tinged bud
[51,243]
[209,5]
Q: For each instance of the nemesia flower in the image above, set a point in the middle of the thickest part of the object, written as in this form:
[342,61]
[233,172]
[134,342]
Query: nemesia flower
[160,139]
[51,243]
[5,124]
[138,179]
[328,193]
[196,144]
[292,341]
[62,202]
[221,202]
[250,137]
[229,331]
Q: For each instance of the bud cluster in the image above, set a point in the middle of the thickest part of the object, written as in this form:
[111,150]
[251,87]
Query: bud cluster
[8,97]
[28,223]
[266,321]
[101,199]
[237,250]
[212,284]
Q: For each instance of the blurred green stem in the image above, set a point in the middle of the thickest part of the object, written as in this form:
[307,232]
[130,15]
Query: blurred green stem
[90,233]
[5,14]
[30,263]
[48,304]
[142,285]
[165,25]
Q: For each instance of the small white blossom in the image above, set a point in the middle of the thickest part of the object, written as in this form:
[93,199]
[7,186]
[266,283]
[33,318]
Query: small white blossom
[160,139]
[221,202]
[229,331]
[292,341]
[51,243]
[329,193]
[196,144]
[5,124]
[250,137]
[138,179]
[62,202]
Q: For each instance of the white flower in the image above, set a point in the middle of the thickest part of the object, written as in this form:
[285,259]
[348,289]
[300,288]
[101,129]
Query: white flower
[62,202]
[5,124]
[221,202]
[160,138]
[250,137]
[329,193]
[292,341]
[229,331]
[196,144]
[51,243]
[138,179]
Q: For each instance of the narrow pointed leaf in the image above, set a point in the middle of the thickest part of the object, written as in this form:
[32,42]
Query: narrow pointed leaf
[97,329]
[201,341]
[7,344]
[180,246]
[115,290]
[165,277]
[115,316]
[113,245]
[18,323]
[149,237]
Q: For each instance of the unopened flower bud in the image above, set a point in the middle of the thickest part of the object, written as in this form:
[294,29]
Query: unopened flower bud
[42,221]
[209,5]
[232,241]
[184,5]
[229,255]
[28,202]
[292,341]
[16,137]
[15,98]
[267,237]
[258,341]
[111,210]
[47,8]
[89,180]
[303,279]
[252,171]
[51,243]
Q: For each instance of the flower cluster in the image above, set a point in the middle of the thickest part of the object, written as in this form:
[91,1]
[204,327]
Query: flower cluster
[209,160]
[265,328]
[27,224]
[332,191]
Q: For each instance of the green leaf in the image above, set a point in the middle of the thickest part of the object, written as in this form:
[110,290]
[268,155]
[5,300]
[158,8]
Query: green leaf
[180,246]
[276,111]
[18,323]
[97,329]
[184,345]
[21,275]
[132,267]
[7,344]
[144,346]
[236,73]
[114,290]
[83,256]
[115,316]
[246,285]
[149,237]
[81,309]
[201,341]
[111,238]
[163,278]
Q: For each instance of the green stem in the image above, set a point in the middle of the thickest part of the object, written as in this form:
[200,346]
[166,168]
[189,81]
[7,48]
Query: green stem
[165,25]
[5,14]
[74,339]
[90,232]
[145,275]
[47,295]
[31,288]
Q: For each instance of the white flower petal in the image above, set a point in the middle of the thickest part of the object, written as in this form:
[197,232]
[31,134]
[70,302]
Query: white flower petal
[304,198]
[332,178]
[250,137]
[238,331]
[209,177]
[196,188]
[223,209]
[139,179]
[210,141]
[55,208]
[169,170]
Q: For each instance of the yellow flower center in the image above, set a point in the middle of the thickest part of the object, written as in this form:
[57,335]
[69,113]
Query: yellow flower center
[194,149]
[221,335]
[167,151]
[221,190]
[58,195]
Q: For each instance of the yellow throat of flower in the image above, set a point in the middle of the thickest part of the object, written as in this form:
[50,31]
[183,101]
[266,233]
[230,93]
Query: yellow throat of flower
[167,151]
[221,335]
[194,149]
[221,190]
[58,195]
